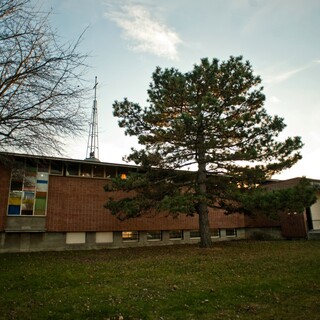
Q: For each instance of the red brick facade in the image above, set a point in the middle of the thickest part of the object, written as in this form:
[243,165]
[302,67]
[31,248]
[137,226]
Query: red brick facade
[4,192]
[77,204]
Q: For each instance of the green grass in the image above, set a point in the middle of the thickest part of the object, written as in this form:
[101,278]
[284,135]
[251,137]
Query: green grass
[233,280]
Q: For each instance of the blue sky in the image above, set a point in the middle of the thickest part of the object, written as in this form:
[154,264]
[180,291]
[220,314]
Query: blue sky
[127,39]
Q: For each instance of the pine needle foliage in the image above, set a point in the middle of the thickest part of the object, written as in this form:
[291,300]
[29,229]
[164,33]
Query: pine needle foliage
[205,135]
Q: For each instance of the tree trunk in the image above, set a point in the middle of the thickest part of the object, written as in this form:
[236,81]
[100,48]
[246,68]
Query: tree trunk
[202,207]
[205,238]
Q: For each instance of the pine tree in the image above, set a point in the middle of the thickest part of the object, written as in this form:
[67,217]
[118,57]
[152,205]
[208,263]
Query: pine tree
[205,135]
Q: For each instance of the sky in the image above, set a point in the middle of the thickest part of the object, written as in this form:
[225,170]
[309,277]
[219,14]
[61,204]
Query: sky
[128,39]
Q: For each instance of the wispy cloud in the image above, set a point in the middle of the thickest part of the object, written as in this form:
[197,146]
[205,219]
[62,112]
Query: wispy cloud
[274,99]
[143,31]
[274,11]
[281,77]
[284,76]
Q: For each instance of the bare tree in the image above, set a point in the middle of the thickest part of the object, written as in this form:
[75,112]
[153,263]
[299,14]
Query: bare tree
[41,81]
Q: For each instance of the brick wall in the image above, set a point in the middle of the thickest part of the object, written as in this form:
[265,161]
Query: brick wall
[77,204]
[293,225]
[261,221]
[4,193]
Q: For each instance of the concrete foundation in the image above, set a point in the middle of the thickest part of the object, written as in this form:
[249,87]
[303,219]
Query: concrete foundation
[58,241]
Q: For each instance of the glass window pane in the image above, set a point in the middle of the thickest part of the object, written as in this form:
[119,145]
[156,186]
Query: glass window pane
[42,181]
[43,167]
[40,205]
[31,168]
[111,172]
[195,234]
[98,171]
[16,185]
[56,168]
[215,233]
[175,234]
[15,197]
[86,170]
[17,175]
[13,210]
[231,232]
[154,235]
[72,169]
[130,236]
[27,203]
[29,183]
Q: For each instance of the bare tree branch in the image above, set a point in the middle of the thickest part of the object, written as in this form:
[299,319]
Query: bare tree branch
[41,81]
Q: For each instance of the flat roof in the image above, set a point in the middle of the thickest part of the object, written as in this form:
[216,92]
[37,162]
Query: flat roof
[85,161]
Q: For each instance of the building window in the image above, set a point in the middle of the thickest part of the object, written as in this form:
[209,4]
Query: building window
[72,169]
[231,232]
[175,235]
[75,237]
[215,233]
[56,168]
[40,206]
[111,172]
[28,190]
[194,234]
[98,171]
[130,236]
[154,235]
[14,206]
[27,203]
[104,237]
[86,170]
[43,166]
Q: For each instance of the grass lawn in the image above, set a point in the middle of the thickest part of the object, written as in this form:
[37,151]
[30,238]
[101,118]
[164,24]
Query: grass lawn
[233,280]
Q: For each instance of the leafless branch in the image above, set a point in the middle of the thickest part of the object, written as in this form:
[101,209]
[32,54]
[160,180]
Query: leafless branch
[41,81]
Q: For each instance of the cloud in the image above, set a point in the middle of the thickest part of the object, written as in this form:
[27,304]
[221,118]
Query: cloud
[143,32]
[285,75]
[281,77]
[274,99]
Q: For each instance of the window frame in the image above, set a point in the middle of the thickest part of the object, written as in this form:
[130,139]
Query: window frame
[154,238]
[56,172]
[213,231]
[193,236]
[70,164]
[233,235]
[26,202]
[85,173]
[176,231]
[125,235]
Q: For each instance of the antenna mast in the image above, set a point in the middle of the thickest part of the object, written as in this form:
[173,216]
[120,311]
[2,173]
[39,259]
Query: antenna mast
[93,143]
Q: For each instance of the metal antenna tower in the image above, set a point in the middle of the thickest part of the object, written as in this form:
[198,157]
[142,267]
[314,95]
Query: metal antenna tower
[93,143]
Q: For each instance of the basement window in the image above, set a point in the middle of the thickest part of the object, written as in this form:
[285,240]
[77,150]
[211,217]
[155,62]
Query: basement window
[130,236]
[194,234]
[231,232]
[104,237]
[215,233]
[75,237]
[154,236]
[175,235]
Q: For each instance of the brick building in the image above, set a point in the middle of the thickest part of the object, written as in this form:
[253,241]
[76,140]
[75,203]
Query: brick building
[51,203]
